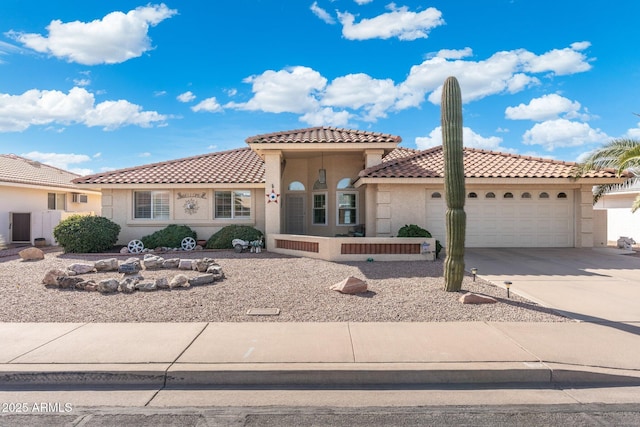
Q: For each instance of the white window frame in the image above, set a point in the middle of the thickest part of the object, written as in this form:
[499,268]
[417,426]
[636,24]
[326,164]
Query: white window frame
[156,197]
[325,208]
[57,199]
[339,208]
[234,215]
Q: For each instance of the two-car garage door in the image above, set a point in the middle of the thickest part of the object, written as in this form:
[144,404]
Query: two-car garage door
[509,218]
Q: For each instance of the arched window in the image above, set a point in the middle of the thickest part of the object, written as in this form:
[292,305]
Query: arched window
[472,195]
[544,195]
[436,195]
[562,195]
[490,195]
[296,186]
[526,195]
[344,183]
[508,195]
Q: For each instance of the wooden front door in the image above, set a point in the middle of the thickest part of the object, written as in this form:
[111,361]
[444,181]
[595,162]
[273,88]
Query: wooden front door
[20,227]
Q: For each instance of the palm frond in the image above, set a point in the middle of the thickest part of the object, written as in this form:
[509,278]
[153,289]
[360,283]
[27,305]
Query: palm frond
[636,204]
[619,154]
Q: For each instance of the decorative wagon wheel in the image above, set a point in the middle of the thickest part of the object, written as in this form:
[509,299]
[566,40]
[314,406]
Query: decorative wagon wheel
[135,246]
[188,243]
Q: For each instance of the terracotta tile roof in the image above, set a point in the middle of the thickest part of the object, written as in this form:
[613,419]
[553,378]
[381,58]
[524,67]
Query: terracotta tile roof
[19,170]
[399,153]
[233,166]
[477,164]
[323,135]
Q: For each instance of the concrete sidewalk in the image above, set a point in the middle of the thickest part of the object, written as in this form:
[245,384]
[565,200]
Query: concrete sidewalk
[188,355]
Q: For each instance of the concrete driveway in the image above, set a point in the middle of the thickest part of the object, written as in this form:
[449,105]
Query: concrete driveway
[595,285]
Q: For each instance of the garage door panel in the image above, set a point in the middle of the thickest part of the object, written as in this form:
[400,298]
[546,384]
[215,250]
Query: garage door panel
[517,222]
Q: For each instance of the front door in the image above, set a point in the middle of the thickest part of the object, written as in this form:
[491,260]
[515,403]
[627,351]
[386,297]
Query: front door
[20,227]
[295,214]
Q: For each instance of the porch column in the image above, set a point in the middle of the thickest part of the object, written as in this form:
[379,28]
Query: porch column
[273,182]
[585,218]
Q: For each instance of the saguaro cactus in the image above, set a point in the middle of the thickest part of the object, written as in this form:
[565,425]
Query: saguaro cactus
[456,219]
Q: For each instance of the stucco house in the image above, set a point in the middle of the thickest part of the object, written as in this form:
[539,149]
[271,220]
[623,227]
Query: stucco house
[307,187]
[616,206]
[35,197]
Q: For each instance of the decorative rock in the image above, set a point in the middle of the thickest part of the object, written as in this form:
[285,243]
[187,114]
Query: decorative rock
[179,281]
[350,285]
[81,268]
[470,298]
[83,285]
[198,248]
[202,280]
[108,286]
[90,286]
[130,266]
[200,264]
[152,262]
[162,283]
[69,282]
[171,263]
[124,250]
[185,264]
[146,286]
[51,277]
[128,285]
[31,254]
[110,264]
[216,270]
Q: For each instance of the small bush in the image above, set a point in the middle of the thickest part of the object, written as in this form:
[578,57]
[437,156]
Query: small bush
[171,237]
[416,231]
[222,239]
[86,234]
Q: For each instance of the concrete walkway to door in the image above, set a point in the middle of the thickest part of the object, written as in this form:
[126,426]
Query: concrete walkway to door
[596,285]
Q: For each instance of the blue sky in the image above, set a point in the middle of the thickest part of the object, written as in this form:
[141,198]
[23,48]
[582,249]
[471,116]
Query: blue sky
[93,86]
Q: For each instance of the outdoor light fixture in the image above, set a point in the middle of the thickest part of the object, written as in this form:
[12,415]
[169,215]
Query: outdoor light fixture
[508,285]
[474,271]
[322,173]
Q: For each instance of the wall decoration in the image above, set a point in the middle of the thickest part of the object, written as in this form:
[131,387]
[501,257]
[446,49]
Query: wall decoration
[273,196]
[191,206]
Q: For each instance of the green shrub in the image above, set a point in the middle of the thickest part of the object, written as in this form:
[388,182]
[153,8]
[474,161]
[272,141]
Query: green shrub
[171,237]
[222,239]
[416,231]
[86,234]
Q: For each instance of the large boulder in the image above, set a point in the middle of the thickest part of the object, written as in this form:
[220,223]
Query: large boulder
[350,285]
[109,264]
[152,262]
[185,264]
[471,298]
[202,280]
[82,268]
[69,282]
[179,281]
[108,286]
[171,263]
[51,277]
[31,254]
[130,266]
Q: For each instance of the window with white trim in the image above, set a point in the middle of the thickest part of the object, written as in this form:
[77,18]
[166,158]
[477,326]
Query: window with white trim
[347,208]
[232,204]
[151,204]
[320,208]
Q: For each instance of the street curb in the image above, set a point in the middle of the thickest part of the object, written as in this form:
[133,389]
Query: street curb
[185,376]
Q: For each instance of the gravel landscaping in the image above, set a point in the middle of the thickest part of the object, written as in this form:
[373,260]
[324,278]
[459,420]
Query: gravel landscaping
[401,291]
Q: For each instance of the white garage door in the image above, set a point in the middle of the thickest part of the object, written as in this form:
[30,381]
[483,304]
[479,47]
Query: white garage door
[509,218]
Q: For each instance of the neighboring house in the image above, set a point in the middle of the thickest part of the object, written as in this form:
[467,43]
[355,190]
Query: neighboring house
[325,182]
[616,204]
[35,197]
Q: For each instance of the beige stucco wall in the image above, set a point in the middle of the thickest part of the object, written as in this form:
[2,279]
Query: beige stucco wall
[117,205]
[620,220]
[33,200]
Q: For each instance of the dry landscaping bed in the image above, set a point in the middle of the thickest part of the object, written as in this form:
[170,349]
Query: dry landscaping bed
[299,287]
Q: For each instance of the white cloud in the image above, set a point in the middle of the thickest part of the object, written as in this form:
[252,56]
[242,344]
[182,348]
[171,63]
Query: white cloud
[322,14]
[82,82]
[145,154]
[113,39]
[159,93]
[469,137]
[454,53]
[97,155]
[557,133]
[326,117]
[544,108]
[357,91]
[633,133]
[232,92]
[210,105]
[399,22]
[42,107]
[292,90]
[186,97]
[58,160]
[506,71]
[361,2]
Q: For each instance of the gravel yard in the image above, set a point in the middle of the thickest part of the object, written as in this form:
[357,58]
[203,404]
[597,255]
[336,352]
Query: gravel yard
[299,287]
